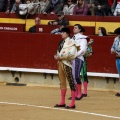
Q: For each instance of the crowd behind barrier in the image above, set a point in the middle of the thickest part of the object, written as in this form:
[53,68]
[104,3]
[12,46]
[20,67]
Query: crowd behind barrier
[69,7]
[108,22]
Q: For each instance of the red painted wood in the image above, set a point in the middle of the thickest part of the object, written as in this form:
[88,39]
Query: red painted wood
[12,27]
[26,50]
[49,28]
[70,17]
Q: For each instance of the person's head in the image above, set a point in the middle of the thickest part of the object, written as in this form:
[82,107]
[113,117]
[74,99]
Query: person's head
[77,28]
[102,31]
[37,21]
[17,1]
[69,2]
[65,33]
[80,2]
[28,1]
[60,15]
[62,26]
[117,31]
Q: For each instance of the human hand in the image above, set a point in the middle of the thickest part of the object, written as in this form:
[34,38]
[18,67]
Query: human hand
[44,13]
[7,12]
[90,54]
[118,54]
[12,12]
[52,13]
[55,57]
[51,23]
[55,23]
[113,51]
[99,7]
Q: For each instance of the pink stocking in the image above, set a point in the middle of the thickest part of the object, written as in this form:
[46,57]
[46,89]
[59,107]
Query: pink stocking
[85,84]
[79,91]
[76,92]
[73,98]
[63,93]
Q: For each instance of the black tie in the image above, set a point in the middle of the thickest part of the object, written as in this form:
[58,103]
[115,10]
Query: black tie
[61,45]
[73,37]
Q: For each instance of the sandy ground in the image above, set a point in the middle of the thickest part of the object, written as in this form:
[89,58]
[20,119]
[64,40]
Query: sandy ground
[36,103]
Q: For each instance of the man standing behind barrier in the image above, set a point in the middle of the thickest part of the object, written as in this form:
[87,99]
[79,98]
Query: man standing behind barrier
[116,49]
[65,69]
[78,62]
[33,28]
[60,21]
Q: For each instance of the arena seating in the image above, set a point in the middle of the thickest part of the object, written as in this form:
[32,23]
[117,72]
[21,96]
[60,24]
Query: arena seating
[109,22]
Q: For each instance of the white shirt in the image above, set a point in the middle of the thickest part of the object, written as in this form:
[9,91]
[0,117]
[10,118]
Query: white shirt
[82,41]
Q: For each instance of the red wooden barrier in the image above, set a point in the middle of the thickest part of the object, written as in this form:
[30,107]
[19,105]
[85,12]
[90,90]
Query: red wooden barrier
[49,28]
[12,27]
[27,50]
[70,17]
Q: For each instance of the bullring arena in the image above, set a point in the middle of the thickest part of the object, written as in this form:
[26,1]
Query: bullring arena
[29,84]
[35,102]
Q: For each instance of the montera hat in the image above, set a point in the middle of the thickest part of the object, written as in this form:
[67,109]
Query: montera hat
[117,31]
[67,30]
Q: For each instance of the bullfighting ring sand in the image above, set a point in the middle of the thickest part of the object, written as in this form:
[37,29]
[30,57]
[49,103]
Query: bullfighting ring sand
[37,103]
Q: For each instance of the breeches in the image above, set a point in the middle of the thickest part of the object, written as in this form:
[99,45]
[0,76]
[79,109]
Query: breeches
[65,73]
[84,72]
[76,69]
[118,65]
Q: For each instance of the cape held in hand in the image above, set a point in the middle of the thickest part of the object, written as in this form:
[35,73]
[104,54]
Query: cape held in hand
[69,50]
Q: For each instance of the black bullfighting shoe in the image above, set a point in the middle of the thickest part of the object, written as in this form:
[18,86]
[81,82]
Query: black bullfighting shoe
[117,94]
[70,107]
[57,105]
[84,95]
[79,98]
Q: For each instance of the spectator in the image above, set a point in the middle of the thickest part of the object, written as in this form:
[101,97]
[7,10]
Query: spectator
[68,8]
[81,8]
[90,7]
[1,5]
[58,30]
[117,9]
[15,7]
[43,5]
[60,21]
[33,28]
[27,1]
[102,31]
[8,4]
[111,4]
[115,49]
[54,7]
[101,7]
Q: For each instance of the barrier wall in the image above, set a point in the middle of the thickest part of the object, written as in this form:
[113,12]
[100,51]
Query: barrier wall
[109,22]
[25,50]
